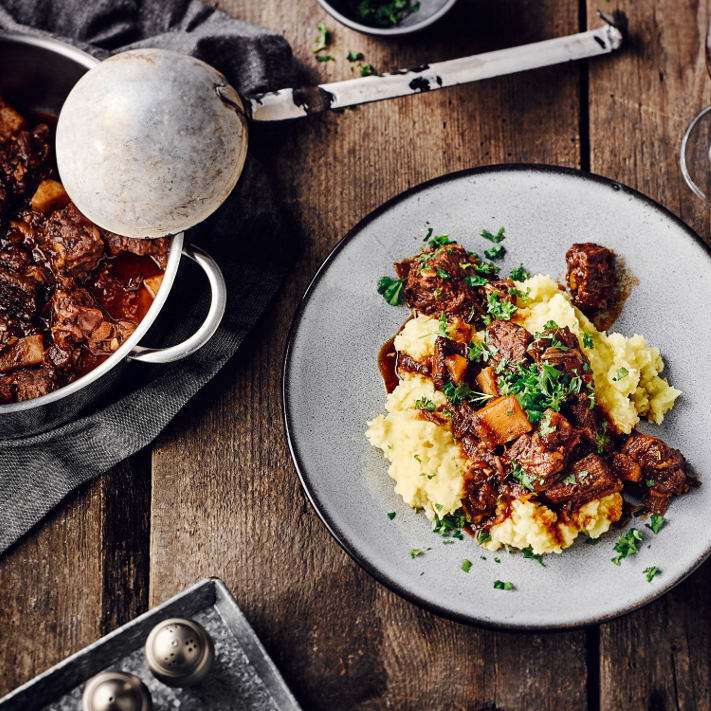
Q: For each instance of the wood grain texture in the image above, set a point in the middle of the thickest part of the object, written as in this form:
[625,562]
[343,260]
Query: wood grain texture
[226,500]
[79,574]
[640,105]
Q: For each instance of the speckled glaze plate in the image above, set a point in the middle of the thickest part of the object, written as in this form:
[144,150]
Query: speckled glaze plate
[332,388]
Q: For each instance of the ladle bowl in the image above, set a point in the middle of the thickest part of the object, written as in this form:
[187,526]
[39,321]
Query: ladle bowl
[151,142]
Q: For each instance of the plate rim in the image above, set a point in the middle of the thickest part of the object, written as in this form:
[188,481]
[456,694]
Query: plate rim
[332,527]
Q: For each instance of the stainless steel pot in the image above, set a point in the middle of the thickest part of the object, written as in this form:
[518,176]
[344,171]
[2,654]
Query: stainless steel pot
[36,74]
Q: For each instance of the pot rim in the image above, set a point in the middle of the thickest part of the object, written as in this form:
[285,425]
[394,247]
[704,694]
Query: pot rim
[171,268]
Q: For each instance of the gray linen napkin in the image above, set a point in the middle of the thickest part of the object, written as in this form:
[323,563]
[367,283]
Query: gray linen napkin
[38,471]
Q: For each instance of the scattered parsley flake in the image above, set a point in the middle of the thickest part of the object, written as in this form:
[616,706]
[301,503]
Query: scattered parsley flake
[391,290]
[443,323]
[475,280]
[416,552]
[588,340]
[417,457]
[391,515]
[500,585]
[657,523]
[354,56]
[651,572]
[322,39]
[444,274]
[483,537]
[627,545]
[424,404]
[501,310]
[439,241]
[523,477]
[519,273]
[621,373]
[439,507]
[324,58]
[497,560]
[650,483]
[466,565]
[527,553]
[570,479]
[498,237]
[368,71]
[497,252]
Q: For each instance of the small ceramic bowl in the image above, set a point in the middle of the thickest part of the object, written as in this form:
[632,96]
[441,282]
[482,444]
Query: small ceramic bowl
[429,12]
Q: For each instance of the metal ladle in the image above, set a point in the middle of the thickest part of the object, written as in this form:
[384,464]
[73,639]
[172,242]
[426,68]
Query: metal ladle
[151,142]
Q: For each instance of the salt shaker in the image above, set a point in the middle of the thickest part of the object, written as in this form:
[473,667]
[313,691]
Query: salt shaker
[179,652]
[116,691]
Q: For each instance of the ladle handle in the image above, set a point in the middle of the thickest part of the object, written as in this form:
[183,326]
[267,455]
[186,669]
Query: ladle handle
[215,313]
[294,103]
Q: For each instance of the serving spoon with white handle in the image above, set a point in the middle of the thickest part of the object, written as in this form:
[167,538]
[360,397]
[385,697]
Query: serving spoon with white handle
[151,142]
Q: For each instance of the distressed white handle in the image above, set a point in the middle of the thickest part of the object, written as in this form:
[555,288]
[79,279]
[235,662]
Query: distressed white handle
[294,103]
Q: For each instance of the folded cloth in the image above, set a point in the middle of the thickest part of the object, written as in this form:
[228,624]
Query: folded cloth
[39,470]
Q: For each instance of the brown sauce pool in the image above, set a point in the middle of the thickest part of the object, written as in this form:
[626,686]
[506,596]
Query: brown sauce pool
[387,363]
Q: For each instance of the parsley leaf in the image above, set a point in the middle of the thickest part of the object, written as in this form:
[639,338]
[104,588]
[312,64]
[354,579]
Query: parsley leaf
[497,252]
[443,323]
[391,515]
[519,273]
[324,58]
[457,394]
[621,373]
[474,280]
[498,237]
[570,479]
[483,537]
[657,523]
[627,545]
[588,340]
[480,352]
[391,290]
[527,553]
[651,572]
[545,426]
[439,241]
[368,71]
[501,310]
[354,56]
[466,565]
[322,39]
[416,552]
[500,585]
[424,404]
[444,274]
[523,477]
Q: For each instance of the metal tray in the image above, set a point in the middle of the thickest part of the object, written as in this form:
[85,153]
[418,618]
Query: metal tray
[242,677]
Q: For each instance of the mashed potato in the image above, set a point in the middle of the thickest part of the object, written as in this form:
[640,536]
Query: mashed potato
[428,467]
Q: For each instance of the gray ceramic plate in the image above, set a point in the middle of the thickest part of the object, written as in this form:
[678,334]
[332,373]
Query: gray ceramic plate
[332,387]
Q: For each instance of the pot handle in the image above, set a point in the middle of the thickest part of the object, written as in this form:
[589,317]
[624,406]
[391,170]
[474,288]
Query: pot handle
[209,326]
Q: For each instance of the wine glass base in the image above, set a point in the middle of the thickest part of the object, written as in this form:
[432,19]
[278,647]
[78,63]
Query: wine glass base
[695,155]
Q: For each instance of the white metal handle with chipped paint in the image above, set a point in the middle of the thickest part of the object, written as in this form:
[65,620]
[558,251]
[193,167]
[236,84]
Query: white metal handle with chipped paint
[294,103]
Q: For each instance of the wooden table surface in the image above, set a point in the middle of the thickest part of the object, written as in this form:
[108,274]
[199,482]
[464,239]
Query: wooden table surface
[217,493]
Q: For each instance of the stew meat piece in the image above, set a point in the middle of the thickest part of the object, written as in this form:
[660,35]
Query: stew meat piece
[70,292]
[590,276]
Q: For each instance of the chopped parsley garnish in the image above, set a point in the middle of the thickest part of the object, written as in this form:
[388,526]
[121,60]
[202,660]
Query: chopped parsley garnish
[466,565]
[523,477]
[627,545]
[368,71]
[550,325]
[527,553]
[497,252]
[417,457]
[416,552]
[475,280]
[520,274]
[602,439]
[498,237]
[588,340]
[432,476]
[391,290]
[324,58]
[443,323]
[384,13]
[500,585]
[650,483]
[570,479]
[354,56]
[481,352]
[536,388]
[457,394]
[545,426]
[513,291]
[424,404]
[444,274]
[497,560]
[391,515]
[656,523]
[483,537]
[621,373]
[651,572]
[439,507]
[501,310]
[450,524]
[439,241]
[322,39]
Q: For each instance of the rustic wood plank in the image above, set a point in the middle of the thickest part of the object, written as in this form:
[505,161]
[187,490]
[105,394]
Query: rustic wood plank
[78,575]
[640,104]
[226,500]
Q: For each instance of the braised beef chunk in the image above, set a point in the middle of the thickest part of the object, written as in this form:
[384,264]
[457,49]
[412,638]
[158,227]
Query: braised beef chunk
[626,468]
[511,341]
[70,294]
[546,451]
[409,364]
[587,479]
[440,281]
[482,484]
[442,369]
[17,294]
[663,470]
[591,275]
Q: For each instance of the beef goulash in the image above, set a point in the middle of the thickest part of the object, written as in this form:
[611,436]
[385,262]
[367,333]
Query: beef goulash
[70,292]
[511,415]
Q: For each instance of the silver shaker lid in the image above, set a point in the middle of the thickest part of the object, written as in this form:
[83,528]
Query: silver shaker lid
[116,691]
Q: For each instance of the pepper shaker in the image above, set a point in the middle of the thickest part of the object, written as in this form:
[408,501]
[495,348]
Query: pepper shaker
[116,691]
[179,652]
